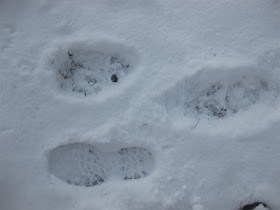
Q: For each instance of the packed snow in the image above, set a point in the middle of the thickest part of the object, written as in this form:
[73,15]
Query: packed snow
[120,104]
[83,164]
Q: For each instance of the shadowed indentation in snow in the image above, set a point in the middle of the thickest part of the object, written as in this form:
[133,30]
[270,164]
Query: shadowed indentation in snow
[218,92]
[87,69]
[255,206]
[84,165]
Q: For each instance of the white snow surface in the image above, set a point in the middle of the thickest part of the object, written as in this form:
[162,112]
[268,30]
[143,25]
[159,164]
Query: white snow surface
[260,207]
[198,89]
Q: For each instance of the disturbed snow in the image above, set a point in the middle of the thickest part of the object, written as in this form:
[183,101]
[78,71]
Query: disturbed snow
[139,104]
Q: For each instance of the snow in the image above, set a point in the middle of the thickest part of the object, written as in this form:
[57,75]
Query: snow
[260,207]
[84,165]
[170,57]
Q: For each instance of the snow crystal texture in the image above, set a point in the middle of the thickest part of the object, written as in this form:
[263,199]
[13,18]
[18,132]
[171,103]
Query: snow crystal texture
[83,164]
[189,89]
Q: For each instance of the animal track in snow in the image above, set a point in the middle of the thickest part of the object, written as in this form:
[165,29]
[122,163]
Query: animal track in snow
[220,93]
[88,69]
[84,165]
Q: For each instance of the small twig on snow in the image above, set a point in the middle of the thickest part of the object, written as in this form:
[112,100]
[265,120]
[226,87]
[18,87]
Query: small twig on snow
[196,123]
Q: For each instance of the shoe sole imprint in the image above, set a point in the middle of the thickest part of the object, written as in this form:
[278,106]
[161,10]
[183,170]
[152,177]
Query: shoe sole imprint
[82,164]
